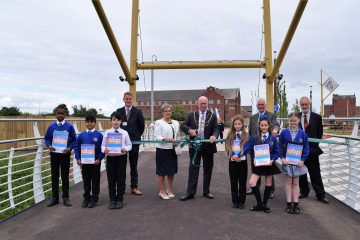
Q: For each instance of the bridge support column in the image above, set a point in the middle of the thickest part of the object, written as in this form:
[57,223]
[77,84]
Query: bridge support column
[37,178]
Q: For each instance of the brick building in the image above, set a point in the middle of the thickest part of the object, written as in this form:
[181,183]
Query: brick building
[342,106]
[227,101]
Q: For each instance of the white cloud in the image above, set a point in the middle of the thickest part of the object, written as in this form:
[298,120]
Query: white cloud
[57,51]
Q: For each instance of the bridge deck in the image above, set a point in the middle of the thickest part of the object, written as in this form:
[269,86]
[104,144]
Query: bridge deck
[149,217]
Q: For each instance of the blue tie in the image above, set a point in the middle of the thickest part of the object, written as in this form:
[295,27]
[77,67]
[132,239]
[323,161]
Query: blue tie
[264,138]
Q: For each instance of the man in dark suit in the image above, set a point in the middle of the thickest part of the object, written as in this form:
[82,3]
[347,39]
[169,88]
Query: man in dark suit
[253,130]
[202,123]
[132,120]
[312,124]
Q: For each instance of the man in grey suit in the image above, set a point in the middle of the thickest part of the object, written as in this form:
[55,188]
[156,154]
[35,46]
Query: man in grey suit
[253,130]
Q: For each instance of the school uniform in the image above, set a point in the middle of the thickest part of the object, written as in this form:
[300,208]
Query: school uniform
[60,160]
[266,138]
[274,155]
[90,172]
[116,165]
[297,137]
[238,173]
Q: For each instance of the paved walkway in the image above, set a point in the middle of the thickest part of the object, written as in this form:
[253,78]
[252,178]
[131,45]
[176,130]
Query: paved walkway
[149,217]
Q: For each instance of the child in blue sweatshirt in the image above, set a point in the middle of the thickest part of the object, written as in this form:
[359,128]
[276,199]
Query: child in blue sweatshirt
[237,146]
[60,158]
[263,137]
[293,135]
[90,171]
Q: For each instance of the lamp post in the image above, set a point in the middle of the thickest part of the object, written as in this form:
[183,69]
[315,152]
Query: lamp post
[153,57]
[311,98]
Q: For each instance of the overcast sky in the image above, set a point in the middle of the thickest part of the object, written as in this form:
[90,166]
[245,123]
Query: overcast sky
[56,51]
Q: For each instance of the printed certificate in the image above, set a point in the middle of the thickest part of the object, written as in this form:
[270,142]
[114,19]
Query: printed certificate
[293,153]
[114,142]
[87,153]
[262,154]
[60,140]
[236,147]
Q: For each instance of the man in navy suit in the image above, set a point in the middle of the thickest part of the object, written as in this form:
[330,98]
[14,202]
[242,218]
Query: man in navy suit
[311,123]
[202,123]
[132,120]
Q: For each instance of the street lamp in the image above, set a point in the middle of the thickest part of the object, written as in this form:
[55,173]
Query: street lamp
[153,57]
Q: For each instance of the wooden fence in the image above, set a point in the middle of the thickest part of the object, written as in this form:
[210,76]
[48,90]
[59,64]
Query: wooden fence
[23,127]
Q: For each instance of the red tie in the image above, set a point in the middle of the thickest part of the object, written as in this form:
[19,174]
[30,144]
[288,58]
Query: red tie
[306,123]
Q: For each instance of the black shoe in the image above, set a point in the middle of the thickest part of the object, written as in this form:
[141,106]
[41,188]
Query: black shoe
[93,204]
[324,200]
[296,210]
[256,208]
[85,203]
[303,196]
[271,196]
[67,202]
[289,209]
[241,206]
[187,197]
[53,202]
[119,204]
[208,195]
[266,209]
[112,205]
[235,205]
[250,192]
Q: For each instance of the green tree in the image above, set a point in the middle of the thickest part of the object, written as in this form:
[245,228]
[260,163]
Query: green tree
[63,105]
[10,111]
[82,111]
[179,113]
[280,89]
[295,108]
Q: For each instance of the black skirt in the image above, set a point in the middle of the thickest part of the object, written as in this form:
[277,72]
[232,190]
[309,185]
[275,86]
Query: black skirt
[166,162]
[265,170]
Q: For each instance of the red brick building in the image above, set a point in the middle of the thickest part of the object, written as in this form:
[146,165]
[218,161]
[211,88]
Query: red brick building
[227,101]
[342,106]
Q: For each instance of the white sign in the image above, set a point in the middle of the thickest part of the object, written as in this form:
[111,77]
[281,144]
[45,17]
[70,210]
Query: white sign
[330,84]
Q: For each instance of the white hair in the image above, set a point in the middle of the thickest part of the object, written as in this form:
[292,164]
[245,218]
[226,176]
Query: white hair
[261,100]
[305,97]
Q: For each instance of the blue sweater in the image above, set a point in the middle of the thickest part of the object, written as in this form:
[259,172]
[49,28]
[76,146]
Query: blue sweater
[246,148]
[65,127]
[274,147]
[300,138]
[95,138]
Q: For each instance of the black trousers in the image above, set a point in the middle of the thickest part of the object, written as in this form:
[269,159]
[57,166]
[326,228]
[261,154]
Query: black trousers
[208,162]
[133,159]
[116,174]
[60,161]
[238,176]
[91,178]
[313,165]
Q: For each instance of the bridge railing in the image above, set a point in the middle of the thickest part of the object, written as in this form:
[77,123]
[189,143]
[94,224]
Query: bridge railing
[25,176]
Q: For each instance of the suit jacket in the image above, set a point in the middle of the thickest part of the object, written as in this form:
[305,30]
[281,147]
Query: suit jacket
[135,124]
[254,120]
[211,128]
[314,130]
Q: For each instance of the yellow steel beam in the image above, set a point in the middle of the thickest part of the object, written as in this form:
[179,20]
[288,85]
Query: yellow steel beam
[100,11]
[200,64]
[133,50]
[268,56]
[289,35]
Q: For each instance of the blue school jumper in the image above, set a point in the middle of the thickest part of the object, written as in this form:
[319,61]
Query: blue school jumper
[274,155]
[300,138]
[238,175]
